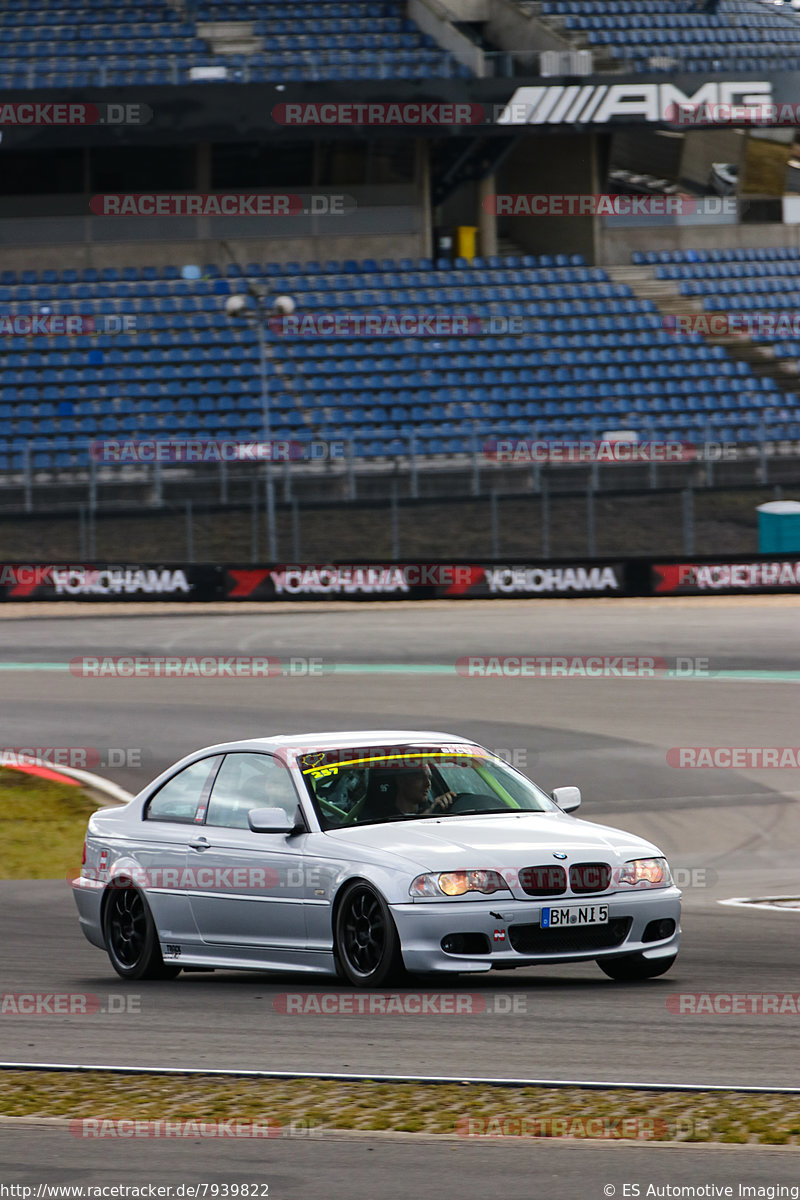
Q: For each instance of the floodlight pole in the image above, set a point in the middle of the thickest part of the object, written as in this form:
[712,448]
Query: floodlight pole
[266,432]
[261,317]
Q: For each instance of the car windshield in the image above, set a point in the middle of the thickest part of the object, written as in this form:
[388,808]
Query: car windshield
[372,785]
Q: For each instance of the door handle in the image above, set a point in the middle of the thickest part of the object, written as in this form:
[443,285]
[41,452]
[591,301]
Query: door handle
[200,843]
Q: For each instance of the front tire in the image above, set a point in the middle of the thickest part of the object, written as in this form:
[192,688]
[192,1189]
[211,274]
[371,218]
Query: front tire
[366,942]
[635,967]
[131,937]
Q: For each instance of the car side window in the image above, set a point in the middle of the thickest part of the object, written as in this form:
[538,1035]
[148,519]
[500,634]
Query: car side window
[181,796]
[247,781]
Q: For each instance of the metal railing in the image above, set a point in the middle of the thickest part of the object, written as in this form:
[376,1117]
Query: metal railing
[316,66]
[334,471]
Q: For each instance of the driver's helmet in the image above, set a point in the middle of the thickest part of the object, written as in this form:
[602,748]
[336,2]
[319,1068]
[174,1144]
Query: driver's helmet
[345,789]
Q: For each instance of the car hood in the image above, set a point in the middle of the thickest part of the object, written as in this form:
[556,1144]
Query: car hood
[517,840]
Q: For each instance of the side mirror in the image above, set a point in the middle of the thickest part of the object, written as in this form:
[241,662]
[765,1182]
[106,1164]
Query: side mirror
[567,798]
[271,820]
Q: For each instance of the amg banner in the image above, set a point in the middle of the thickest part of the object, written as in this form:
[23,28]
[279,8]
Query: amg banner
[715,577]
[235,112]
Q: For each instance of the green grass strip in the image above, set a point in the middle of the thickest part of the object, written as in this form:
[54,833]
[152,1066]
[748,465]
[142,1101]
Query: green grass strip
[466,1110]
[42,826]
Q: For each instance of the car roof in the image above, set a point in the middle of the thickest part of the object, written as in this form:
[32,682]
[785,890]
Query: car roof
[353,737]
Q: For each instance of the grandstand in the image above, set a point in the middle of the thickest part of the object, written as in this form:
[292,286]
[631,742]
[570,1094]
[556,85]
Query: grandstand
[591,355]
[86,44]
[581,344]
[643,35]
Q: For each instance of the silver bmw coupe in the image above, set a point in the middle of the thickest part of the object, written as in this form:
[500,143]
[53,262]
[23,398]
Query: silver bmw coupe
[369,854]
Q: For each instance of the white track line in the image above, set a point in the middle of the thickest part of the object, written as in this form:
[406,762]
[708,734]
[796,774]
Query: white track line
[342,1077]
[763,902]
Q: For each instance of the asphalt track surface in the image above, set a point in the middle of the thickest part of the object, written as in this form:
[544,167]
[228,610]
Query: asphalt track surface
[394,1167]
[738,831]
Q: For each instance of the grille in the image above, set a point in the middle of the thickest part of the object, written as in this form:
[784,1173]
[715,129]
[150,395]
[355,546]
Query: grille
[589,877]
[543,881]
[532,939]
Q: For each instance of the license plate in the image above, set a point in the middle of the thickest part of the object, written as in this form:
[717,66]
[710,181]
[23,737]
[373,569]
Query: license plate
[585,914]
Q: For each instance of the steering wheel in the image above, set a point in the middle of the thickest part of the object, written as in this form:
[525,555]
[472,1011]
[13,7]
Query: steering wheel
[472,802]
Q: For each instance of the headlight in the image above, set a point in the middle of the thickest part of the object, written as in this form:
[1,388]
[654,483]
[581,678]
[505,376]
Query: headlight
[645,873]
[458,883]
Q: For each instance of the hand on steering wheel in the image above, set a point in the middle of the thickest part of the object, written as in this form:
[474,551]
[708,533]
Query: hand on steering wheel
[442,802]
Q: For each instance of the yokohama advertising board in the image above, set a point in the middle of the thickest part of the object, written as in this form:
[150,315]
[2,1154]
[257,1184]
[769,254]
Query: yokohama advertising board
[414,581]
[308,581]
[468,580]
[711,578]
[107,581]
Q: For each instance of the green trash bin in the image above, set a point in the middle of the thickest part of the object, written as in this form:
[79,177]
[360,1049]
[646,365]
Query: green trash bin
[779,527]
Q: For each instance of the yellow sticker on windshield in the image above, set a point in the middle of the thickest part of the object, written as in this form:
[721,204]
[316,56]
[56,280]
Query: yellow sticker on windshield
[388,760]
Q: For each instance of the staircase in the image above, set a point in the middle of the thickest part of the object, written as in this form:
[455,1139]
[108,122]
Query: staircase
[508,249]
[665,293]
[230,37]
[602,62]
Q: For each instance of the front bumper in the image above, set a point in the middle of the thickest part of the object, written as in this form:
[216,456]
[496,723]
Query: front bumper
[423,925]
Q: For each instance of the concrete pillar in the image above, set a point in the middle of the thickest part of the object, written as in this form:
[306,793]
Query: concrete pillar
[202,171]
[423,174]
[203,167]
[487,221]
[558,164]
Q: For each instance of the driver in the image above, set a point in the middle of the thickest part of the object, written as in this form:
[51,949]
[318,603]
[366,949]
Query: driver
[411,792]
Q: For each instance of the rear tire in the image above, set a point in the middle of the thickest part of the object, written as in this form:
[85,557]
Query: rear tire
[635,967]
[366,941]
[131,937]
